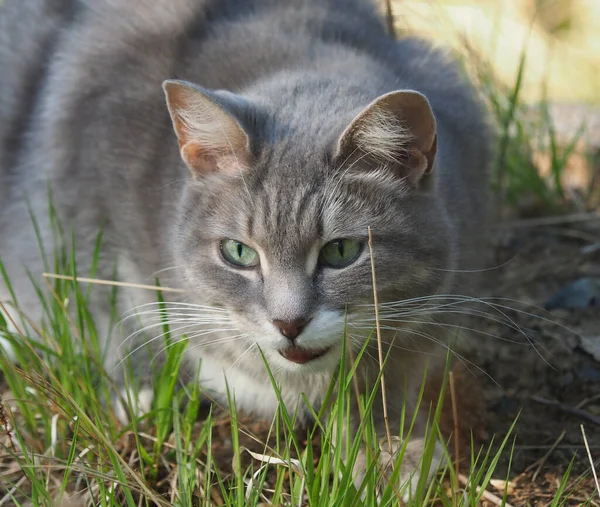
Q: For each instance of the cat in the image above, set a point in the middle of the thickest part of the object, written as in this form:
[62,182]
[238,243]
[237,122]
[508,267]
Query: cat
[290,128]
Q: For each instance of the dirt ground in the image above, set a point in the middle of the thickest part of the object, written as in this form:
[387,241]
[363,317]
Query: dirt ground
[554,381]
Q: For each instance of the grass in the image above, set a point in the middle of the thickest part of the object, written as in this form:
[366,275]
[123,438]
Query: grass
[520,182]
[62,444]
[66,442]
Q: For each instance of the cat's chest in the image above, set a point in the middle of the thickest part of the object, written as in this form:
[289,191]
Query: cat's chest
[255,394]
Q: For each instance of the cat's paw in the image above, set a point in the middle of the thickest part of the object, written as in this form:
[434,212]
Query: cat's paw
[411,466]
[131,402]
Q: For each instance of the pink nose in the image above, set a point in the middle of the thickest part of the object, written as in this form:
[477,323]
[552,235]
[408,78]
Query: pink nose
[291,329]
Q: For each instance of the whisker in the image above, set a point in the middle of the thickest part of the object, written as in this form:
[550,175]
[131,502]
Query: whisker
[177,304]
[442,324]
[481,270]
[156,273]
[218,341]
[393,317]
[239,358]
[487,301]
[158,337]
[167,315]
[456,354]
[407,349]
[154,326]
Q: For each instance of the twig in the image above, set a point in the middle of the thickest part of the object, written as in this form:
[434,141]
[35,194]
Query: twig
[562,219]
[111,282]
[539,464]
[9,495]
[590,249]
[5,423]
[490,497]
[587,447]
[455,418]
[567,408]
[379,345]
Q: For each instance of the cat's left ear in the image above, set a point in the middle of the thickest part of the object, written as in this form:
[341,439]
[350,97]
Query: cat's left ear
[210,138]
[397,131]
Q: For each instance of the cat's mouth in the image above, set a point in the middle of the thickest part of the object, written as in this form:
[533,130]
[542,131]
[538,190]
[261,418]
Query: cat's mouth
[300,355]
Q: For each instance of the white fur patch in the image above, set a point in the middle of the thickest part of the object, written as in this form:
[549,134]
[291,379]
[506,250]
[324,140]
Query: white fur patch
[141,403]
[254,393]
[6,347]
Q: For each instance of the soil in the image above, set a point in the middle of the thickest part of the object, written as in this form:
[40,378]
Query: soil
[548,379]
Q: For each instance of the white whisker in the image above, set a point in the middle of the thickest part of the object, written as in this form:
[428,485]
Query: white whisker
[158,337]
[156,273]
[218,341]
[459,356]
[239,358]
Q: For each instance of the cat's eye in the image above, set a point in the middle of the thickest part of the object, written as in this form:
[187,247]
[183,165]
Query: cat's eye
[239,254]
[340,253]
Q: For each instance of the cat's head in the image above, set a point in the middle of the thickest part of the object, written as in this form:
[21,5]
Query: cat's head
[274,222]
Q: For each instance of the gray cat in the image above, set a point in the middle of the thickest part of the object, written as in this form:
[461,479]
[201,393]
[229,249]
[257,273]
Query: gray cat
[298,125]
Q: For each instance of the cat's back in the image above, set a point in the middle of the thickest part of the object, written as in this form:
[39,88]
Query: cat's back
[97,66]
[29,30]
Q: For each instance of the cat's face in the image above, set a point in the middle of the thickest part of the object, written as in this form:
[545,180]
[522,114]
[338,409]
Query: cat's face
[281,243]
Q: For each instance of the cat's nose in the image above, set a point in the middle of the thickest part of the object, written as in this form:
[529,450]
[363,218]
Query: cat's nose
[291,329]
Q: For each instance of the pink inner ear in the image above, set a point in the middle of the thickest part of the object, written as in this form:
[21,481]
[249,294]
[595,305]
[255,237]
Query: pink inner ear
[198,159]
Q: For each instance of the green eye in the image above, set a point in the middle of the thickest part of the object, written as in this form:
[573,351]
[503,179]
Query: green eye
[340,253]
[238,254]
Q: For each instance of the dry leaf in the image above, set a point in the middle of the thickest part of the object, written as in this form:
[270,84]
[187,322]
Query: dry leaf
[503,486]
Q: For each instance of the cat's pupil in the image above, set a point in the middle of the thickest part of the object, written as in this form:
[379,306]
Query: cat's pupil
[340,245]
[240,249]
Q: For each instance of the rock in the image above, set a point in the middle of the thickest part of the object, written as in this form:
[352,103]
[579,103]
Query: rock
[582,293]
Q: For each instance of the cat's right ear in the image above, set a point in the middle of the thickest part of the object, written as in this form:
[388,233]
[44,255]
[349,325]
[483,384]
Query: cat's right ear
[210,138]
[396,131]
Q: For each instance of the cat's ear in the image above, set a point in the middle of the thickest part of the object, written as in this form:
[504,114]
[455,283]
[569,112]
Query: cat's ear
[210,138]
[397,131]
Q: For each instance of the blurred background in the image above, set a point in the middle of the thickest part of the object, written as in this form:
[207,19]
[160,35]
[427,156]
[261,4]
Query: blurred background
[561,39]
[538,63]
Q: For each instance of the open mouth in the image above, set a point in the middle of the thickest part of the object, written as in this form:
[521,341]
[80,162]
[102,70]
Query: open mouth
[300,355]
